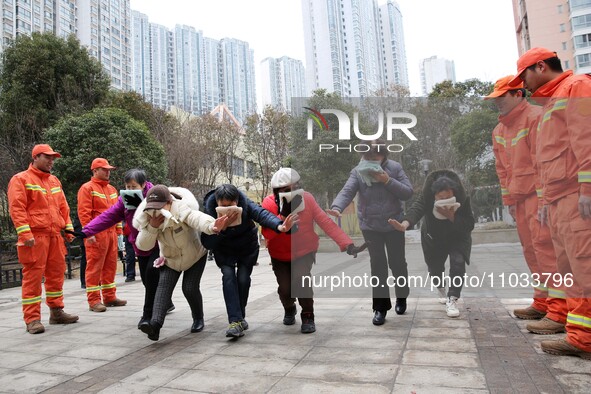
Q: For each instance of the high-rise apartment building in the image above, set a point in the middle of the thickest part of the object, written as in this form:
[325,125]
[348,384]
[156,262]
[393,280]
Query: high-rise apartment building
[237,77]
[347,44]
[188,47]
[141,65]
[163,63]
[563,26]
[104,27]
[29,16]
[393,48]
[282,79]
[435,70]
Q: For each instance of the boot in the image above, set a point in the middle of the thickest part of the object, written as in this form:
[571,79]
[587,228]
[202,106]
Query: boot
[308,325]
[58,316]
[35,327]
[529,313]
[562,348]
[290,314]
[545,327]
[152,329]
[116,302]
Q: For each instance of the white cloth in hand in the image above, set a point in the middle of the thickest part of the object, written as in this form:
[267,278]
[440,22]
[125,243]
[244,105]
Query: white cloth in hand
[447,203]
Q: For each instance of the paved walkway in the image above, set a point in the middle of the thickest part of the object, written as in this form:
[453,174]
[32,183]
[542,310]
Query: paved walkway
[485,350]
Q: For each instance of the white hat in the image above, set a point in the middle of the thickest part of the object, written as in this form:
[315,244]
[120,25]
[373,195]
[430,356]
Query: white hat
[284,177]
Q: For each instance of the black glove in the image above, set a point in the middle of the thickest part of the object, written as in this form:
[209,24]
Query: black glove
[352,250]
[133,200]
[77,234]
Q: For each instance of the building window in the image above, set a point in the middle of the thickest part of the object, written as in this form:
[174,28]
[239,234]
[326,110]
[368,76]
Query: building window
[562,28]
[580,22]
[559,8]
[576,4]
[566,65]
[237,166]
[583,60]
[564,46]
[582,41]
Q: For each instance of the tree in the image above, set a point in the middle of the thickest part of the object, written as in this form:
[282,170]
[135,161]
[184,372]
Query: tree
[324,173]
[42,79]
[201,152]
[267,143]
[109,133]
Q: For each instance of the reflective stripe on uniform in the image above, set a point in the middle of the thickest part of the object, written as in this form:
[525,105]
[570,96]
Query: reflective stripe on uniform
[584,176]
[69,226]
[522,133]
[578,320]
[30,301]
[109,286]
[555,293]
[558,105]
[97,194]
[56,190]
[29,186]
[504,192]
[54,294]
[114,195]
[539,193]
[500,140]
[23,228]
[92,288]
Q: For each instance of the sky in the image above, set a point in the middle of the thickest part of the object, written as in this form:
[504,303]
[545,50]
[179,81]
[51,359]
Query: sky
[478,35]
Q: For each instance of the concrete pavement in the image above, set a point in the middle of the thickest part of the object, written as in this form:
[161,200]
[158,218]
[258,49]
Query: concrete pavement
[485,350]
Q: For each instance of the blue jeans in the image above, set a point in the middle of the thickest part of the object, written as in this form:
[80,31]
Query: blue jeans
[236,271]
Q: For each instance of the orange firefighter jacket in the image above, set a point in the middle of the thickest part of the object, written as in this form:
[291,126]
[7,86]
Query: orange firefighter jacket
[37,204]
[94,198]
[514,147]
[564,136]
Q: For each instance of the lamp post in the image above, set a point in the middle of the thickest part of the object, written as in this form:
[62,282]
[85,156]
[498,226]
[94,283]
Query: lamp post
[425,164]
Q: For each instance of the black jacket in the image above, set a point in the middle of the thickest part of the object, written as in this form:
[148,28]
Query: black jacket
[439,236]
[241,239]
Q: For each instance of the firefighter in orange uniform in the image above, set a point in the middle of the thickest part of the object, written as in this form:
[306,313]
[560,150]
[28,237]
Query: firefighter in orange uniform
[39,211]
[95,197]
[563,153]
[514,140]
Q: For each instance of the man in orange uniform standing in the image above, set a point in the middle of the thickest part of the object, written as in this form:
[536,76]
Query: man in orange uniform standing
[563,153]
[95,197]
[514,140]
[39,211]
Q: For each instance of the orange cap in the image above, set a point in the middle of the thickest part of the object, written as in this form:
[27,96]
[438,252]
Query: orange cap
[528,59]
[99,162]
[44,149]
[502,87]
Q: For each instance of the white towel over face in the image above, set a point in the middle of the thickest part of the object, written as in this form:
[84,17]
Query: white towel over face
[447,203]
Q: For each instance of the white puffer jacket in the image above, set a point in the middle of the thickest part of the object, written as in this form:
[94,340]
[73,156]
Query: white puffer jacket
[179,236]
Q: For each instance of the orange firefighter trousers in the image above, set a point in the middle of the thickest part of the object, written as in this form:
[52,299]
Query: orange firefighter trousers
[101,267]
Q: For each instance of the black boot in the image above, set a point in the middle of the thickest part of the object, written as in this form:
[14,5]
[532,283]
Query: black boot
[400,307]
[379,317]
[143,321]
[308,325]
[198,325]
[152,329]
[290,314]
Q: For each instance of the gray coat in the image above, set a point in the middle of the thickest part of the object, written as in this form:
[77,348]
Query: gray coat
[379,202]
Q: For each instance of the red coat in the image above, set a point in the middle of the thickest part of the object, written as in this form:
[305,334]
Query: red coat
[305,240]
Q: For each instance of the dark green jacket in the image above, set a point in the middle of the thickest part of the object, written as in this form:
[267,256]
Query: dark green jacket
[440,236]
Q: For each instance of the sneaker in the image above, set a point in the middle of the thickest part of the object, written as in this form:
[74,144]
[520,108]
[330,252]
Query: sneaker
[308,325]
[529,313]
[546,327]
[289,316]
[235,330]
[244,324]
[98,307]
[129,279]
[451,306]
[442,295]
[35,327]
[116,302]
[562,348]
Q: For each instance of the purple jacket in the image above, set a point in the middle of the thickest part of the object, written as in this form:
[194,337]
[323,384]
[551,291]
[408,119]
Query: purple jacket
[114,215]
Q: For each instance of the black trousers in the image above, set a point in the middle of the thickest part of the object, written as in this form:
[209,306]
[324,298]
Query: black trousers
[386,249]
[289,279]
[191,282]
[435,260]
[150,276]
